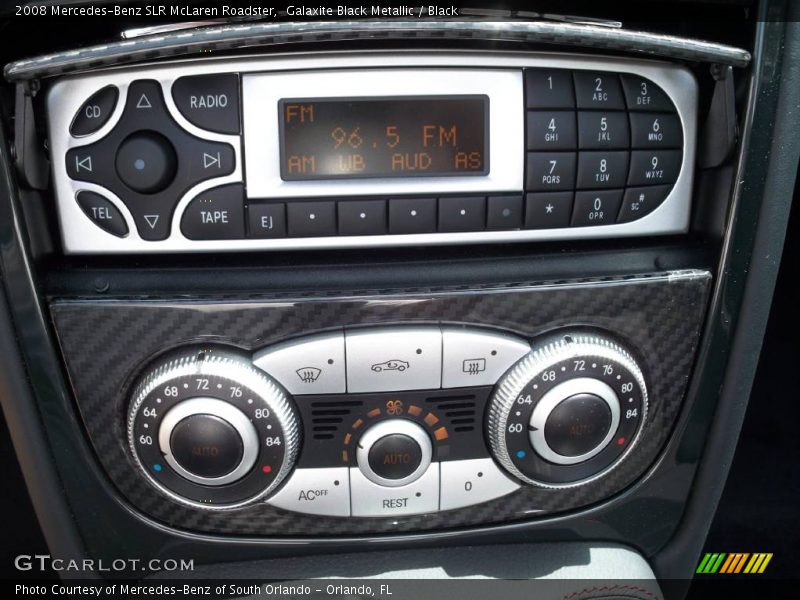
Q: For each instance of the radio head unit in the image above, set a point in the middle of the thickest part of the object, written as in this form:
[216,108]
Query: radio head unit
[354,150]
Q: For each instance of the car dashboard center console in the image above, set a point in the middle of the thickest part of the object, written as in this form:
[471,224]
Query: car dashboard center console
[441,281]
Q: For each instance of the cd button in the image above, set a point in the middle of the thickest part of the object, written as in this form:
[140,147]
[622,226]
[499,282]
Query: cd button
[267,220]
[94,113]
[643,94]
[551,130]
[462,214]
[548,88]
[547,211]
[639,202]
[311,219]
[602,169]
[550,171]
[504,212]
[598,130]
[654,167]
[598,90]
[209,101]
[102,213]
[412,215]
[216,214]
[362,217]
[596,208]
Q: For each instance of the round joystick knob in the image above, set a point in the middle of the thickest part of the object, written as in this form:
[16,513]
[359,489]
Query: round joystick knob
[146,162]
[394,453]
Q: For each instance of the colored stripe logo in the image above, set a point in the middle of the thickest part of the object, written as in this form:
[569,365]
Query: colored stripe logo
[733,563]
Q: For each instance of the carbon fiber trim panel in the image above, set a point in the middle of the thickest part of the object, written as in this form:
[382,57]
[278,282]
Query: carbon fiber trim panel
[108,343]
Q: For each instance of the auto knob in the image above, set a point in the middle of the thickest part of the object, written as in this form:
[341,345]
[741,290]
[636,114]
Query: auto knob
[568,412]
[210,430]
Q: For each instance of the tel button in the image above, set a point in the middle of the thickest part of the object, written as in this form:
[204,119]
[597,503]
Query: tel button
[216,214]
[102,213]
[94,113]
[209,101]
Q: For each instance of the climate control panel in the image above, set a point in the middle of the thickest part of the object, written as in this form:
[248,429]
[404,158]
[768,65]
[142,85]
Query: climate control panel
[386,421]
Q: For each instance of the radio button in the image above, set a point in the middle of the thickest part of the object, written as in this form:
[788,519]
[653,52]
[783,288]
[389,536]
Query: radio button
[504,212]
[216,214]
[146,162]
[596,208]
[316,492]
[639,202]
[549,88]
[602,169]
[599,130]
[551,130]
[654,167]
[362,217]
[594,89]
[656,130]
[94,113]
[548,211]
[471,358]
[550,171]
[643,94]
[209,101]
[412,215]
[462,214]
[369,499]
[267,220]
[311,219]
[470,482]
[393,359]
[102,213]
[311,365]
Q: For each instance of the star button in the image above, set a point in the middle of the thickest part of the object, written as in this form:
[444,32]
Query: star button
[549,208]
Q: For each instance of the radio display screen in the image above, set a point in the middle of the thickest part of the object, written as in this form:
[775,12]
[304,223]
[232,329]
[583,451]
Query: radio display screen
[414,136]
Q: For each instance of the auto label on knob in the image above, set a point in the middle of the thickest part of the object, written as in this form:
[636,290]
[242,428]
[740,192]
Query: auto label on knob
[210,430]
[568,412]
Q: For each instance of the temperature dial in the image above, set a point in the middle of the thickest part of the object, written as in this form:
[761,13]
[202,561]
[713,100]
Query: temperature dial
[209,430]
[568,412]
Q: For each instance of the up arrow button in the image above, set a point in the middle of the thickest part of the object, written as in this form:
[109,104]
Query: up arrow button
[210,102]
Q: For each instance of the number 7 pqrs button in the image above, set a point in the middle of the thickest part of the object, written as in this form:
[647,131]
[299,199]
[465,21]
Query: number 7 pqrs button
[550,171]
